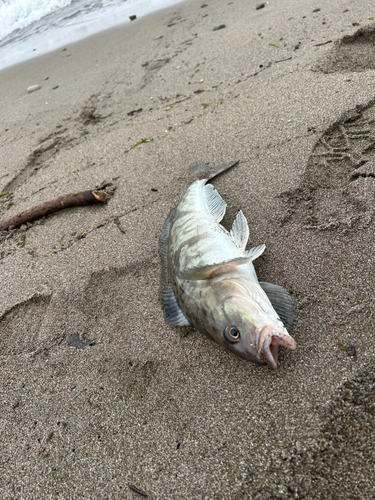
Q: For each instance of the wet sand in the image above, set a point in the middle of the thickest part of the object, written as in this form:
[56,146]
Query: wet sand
[287,91]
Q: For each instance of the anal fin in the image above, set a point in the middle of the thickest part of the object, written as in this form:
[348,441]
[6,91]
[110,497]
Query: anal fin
[172,312]
[240,231]
[215,203]
[281,301]
[255,252]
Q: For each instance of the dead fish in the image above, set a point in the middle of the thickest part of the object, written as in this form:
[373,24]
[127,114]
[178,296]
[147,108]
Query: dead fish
[211,281]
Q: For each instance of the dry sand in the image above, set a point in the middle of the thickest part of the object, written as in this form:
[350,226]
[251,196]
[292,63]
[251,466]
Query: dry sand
[164,408]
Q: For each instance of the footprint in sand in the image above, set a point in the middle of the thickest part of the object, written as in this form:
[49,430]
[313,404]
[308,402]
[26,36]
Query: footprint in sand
[353,53]
[337,189]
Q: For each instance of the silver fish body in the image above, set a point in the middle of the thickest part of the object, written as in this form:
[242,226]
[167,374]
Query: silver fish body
[212,283]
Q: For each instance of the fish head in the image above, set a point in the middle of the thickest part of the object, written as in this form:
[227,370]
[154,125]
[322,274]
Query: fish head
[237,322]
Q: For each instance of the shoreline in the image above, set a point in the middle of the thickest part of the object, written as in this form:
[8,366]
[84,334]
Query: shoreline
[64,36]
[158,407]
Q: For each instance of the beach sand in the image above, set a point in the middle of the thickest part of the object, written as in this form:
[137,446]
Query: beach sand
[290,93]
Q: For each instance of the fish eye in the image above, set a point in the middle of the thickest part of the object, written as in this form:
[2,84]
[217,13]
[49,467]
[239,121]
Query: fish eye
[232,334]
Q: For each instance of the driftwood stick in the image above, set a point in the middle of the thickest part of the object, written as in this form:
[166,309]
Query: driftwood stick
[50,206]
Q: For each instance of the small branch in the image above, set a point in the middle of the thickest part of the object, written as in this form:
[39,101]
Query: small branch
[138,490]
[282,60]
[118,224]
[50,206]
[324,43]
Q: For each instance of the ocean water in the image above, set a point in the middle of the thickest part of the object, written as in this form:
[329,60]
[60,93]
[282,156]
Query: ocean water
[29,28]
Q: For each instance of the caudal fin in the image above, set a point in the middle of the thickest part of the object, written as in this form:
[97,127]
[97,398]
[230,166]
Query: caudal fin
[200,171]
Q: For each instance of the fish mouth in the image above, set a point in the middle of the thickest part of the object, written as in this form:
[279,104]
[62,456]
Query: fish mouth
[269,342]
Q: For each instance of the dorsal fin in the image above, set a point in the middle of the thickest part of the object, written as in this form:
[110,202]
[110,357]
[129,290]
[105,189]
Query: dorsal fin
[215,203]
[240,231]
[163,244]
[172,312]
[281,301]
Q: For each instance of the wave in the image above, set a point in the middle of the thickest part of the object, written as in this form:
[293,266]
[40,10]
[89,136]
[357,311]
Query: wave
[18,14]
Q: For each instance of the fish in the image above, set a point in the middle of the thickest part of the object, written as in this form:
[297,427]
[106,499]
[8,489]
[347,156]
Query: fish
[210,279]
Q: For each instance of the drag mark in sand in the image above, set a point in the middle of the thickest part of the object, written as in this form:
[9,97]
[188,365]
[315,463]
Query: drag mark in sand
[151,67]
[337,189]
[39,157]
[61,138]
[20,326]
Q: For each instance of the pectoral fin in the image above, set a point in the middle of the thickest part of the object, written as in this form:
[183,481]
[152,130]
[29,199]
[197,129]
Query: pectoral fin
[281,301]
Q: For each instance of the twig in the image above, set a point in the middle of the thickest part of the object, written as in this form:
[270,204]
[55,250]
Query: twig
[282,60]
[324,43]
[50,206]
[181,100]
[138,490]
[118,224]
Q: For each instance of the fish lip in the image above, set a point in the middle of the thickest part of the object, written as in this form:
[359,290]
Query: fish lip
[268,353]
[269,341]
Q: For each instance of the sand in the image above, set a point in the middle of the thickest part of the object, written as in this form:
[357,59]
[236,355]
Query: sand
[162,408]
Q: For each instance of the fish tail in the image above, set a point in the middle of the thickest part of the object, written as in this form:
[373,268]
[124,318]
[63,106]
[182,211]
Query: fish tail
[200,172]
